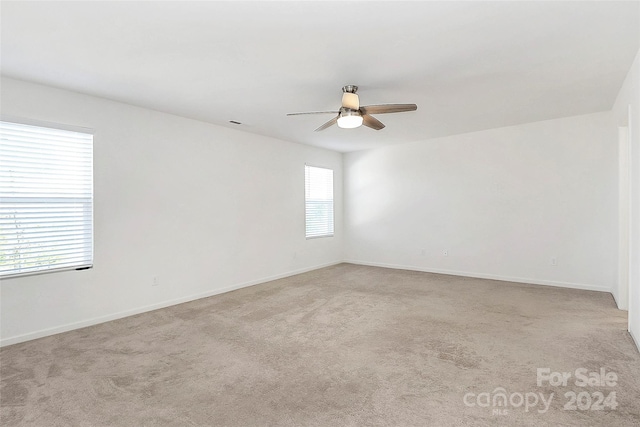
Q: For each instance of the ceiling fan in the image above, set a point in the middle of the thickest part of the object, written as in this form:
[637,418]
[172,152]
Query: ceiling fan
[352,115]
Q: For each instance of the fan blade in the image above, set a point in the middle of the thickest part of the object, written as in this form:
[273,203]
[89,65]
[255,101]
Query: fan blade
[313,112]
[371,122]
[350,100]
[328,124]
[388,108]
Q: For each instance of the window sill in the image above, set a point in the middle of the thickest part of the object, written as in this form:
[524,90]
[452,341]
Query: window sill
[53,270]
[319,237]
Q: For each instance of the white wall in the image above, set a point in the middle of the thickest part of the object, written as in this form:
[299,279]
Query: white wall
[626,112]
[502,202]
[203,207]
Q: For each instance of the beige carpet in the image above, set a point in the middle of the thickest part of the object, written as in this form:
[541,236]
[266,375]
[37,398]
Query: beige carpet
[341,346]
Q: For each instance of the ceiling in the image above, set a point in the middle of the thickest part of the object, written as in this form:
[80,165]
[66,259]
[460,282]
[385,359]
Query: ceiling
[467,65]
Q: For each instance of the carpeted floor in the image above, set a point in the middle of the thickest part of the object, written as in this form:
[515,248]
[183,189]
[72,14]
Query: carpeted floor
[342,346]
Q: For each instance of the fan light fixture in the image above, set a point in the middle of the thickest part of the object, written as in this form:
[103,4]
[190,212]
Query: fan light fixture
[349,119]
[352,115]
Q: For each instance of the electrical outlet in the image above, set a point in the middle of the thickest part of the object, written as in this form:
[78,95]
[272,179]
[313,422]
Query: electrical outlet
[554,261]
[156,281]
[445,252]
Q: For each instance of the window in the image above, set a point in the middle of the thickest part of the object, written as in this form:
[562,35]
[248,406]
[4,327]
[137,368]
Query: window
[318,201]
[46,194]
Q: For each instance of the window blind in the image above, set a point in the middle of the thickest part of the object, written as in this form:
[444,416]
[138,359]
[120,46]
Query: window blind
[46,199]
[318,201]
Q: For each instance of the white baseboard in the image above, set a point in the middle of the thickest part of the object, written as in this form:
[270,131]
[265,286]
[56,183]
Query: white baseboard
[119,315]
[486,276]
[622,305]
[618,303]
[615,299]
[635,340]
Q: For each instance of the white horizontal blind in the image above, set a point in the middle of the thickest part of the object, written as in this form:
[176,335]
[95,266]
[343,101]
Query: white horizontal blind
[46,199]
[318,201]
